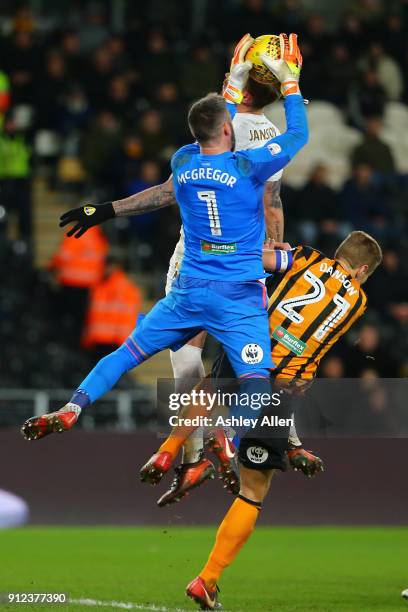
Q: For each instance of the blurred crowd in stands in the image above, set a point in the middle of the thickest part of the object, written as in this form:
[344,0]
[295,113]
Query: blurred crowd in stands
[98,110]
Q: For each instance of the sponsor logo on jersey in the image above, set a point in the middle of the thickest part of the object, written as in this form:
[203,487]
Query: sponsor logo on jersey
[288,340]
[274,148]
[89,210]
[218,248]
[252,353]
[257,454]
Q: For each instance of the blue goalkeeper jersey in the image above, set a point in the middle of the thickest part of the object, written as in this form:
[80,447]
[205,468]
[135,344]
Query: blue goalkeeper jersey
[221,203]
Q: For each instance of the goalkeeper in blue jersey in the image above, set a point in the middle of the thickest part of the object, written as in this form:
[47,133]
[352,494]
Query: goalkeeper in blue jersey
[220,197]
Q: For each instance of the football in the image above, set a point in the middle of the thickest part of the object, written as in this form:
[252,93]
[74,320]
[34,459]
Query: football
[268,44]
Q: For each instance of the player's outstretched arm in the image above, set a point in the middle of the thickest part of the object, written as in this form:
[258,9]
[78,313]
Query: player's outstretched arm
[148,200]
[145,201]
[277,152]
[287,71]
[287,68]
[239,71]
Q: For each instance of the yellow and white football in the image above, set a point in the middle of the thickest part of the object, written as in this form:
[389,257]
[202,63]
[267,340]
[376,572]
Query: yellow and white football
[268,44]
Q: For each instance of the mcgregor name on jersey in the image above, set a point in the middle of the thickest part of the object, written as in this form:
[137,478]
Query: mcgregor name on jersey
[198,174]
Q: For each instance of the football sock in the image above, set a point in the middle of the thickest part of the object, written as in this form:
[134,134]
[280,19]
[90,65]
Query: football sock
[193,447]
[234,531]
[187,366]
[106,374]
[188,370]
[171,445]
[293,436]
[174,442]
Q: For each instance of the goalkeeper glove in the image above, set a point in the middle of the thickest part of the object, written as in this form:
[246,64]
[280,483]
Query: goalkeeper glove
[85,217]
[239,71]
[287,68]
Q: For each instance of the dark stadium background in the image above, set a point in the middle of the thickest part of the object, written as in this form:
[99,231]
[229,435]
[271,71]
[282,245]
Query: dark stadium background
[93,102]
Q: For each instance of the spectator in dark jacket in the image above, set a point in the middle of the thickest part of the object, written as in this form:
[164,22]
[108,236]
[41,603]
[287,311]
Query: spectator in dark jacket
[367,98]
[387,290]
[373,150]
[363,200]
[319,211]
[369,353]
[22,60]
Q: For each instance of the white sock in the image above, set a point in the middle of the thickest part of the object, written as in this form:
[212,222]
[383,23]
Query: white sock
[193,447]
[293,437]
[70,407]
[188,369]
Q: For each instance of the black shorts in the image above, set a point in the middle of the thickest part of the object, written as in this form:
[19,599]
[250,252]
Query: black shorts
[264,447]
[222,368]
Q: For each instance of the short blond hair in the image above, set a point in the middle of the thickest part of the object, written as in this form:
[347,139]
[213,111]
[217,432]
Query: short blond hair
[359,249]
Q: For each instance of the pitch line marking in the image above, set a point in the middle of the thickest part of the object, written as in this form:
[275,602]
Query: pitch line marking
[123,605]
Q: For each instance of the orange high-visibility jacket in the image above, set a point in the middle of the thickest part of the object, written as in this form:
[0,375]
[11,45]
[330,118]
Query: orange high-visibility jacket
[81,262]
[113,309]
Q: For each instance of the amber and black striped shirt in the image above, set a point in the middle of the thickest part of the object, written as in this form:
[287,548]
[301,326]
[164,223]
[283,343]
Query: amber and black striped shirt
[313,305]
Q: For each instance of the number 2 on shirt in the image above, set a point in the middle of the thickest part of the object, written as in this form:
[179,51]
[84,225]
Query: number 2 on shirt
[341,305]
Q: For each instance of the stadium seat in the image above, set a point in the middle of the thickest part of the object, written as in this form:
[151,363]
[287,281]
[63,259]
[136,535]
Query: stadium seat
[331,142]
[70,170]
[396,115]
[23,115]
[338,139]
[395,135]
[47,143]
[320,112]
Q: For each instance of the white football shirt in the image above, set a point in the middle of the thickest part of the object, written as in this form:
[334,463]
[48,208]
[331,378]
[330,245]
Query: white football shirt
[253,131]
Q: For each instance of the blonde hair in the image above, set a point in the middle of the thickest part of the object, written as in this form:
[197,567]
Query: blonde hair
[359,249]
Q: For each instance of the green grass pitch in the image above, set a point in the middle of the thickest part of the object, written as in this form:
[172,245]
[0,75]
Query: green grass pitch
[280,569]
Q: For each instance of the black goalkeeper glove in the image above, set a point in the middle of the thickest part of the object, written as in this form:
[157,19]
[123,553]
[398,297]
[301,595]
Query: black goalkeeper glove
[85,217]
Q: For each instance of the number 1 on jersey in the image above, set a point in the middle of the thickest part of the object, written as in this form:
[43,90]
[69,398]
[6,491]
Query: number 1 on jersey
[212,209]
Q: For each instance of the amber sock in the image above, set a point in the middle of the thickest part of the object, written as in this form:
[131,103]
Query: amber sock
[234,531]
[171,445]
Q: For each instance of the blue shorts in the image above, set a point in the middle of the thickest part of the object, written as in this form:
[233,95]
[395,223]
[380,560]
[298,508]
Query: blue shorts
[233,312]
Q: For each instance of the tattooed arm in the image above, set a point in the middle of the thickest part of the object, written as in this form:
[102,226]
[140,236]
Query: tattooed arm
[145,201]
[148,200]
[274,219]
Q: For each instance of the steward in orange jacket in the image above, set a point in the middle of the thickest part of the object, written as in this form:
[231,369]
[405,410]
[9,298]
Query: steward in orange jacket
[113,308]
[81,263]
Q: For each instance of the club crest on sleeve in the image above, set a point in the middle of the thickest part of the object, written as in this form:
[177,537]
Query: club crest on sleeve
[89,210]
[274,148]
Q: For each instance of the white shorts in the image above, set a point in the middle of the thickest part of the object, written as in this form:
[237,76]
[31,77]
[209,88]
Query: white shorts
[175,263]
